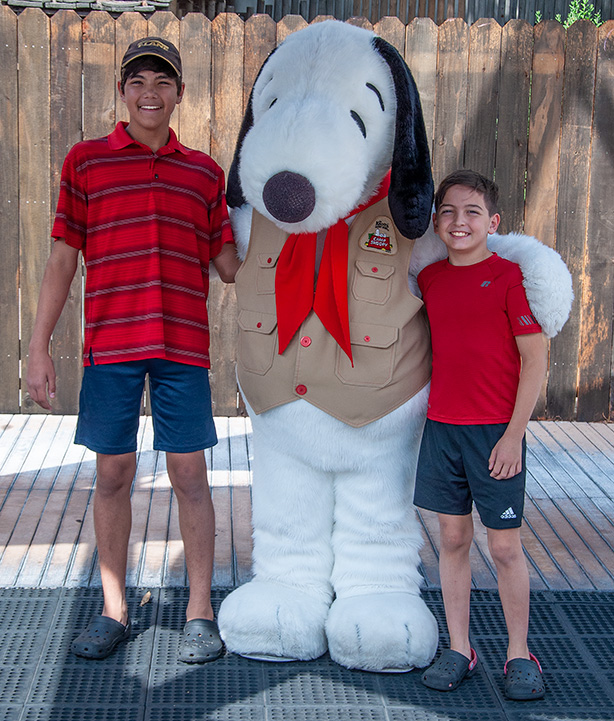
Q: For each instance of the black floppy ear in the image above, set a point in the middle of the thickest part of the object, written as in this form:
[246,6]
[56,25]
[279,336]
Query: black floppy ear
[234,191]
[411,183]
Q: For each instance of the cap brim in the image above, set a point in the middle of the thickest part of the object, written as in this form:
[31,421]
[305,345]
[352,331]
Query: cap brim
[155,55]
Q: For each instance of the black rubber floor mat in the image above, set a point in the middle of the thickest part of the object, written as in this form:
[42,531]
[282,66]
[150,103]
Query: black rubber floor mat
[572,633]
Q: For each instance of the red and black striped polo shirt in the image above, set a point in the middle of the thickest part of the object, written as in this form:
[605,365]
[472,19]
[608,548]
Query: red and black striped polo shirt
[147,224]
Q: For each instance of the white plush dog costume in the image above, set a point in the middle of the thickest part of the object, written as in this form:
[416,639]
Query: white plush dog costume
[336,540]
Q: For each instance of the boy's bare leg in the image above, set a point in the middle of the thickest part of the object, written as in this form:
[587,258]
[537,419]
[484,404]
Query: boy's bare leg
[455,573]
[513,581]
[112,523]
[188,475]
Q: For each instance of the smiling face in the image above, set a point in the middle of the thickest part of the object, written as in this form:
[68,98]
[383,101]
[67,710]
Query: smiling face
[151,97]
[464,223]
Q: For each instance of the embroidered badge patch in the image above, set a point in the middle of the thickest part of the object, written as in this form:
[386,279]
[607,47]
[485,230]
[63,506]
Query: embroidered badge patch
[380,237]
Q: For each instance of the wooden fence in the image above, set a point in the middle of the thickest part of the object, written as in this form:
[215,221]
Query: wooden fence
[533,106]
[405,10]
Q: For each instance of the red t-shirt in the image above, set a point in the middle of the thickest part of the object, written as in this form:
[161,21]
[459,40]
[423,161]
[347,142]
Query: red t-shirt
[148,225]
[475,312]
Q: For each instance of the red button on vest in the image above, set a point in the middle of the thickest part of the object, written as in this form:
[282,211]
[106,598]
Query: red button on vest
[301,390]
[305,341]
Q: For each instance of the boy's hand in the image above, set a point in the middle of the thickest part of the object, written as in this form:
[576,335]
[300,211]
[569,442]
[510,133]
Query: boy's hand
[40,378]
[227,263]
[506,458]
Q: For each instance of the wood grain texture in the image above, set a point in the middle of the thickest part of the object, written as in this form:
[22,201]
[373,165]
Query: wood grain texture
[594,371]
[66,129]
[9,214]
[512,133]
[558,155]
[483,96]
[34,155]
[451,99]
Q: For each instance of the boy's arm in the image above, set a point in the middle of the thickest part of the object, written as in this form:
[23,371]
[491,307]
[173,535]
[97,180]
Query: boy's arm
[506,458]
[59,272]
[227,263]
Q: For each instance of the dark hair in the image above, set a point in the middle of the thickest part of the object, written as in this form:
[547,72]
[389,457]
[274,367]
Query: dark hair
[474,181]
[149,62]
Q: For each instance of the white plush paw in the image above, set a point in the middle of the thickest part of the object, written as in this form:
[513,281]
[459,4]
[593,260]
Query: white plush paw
[388,632]
[268,621]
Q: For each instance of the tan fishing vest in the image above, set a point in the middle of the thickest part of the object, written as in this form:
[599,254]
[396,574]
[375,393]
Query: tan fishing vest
[388,328]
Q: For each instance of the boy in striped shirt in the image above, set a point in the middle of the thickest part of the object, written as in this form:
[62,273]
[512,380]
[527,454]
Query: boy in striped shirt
[148,216]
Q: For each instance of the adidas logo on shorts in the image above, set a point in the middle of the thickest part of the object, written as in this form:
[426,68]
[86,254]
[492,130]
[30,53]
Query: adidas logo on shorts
[508,514]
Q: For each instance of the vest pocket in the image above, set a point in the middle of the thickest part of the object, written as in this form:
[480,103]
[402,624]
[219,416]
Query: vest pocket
[265,273]
[372,281]
[257,341]
[373,350]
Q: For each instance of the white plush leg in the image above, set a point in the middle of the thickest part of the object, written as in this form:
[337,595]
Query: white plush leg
[281,613]
[378,620]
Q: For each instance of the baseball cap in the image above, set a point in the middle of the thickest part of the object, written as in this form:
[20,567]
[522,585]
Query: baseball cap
[153,46]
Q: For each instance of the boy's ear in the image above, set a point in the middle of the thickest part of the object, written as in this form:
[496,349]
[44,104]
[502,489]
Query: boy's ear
[180,94]
[119,90]
[494,223]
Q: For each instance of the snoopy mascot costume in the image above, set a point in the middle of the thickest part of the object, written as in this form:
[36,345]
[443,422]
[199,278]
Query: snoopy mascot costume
[330,187]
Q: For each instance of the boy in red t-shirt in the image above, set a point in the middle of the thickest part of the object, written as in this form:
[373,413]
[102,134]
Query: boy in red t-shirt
[489,362]
[148,215]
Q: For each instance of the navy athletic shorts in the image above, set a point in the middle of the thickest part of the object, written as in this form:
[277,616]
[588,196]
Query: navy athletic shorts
[111,399]
[453,473]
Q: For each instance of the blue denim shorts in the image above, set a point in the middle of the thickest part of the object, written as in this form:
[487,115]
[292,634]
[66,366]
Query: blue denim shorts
[110,404]
[453,474]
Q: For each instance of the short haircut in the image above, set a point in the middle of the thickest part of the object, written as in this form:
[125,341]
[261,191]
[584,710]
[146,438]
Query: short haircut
[474,181]
[149,62]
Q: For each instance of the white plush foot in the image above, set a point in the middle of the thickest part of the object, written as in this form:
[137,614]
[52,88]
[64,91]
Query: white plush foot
[388,632]
[268,621]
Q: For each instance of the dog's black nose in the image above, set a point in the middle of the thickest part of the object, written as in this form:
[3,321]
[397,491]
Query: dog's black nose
[289,197]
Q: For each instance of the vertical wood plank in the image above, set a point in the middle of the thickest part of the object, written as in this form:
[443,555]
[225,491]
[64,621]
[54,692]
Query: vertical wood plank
[166,25]
[260,39]
[594,373]
[451,98]
[66,130]
[288,25]
[128,28]
[421,57]
[98,75]
[228,47]
[9,214]
[543,149]
[544,130]
[393,31]
[483,96]
[195,49]
[34,161]
[511,161]
[572,213]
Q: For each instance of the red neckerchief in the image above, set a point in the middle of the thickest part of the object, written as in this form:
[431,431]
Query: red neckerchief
[294,293]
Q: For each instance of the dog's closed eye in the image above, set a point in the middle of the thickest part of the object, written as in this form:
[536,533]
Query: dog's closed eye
[272,103]
[379,95]
[358,120]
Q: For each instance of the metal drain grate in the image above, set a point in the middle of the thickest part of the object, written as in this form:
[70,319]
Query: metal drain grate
[40,680]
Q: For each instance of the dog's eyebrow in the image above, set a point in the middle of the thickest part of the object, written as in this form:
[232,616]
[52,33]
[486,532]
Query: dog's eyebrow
[379,95]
